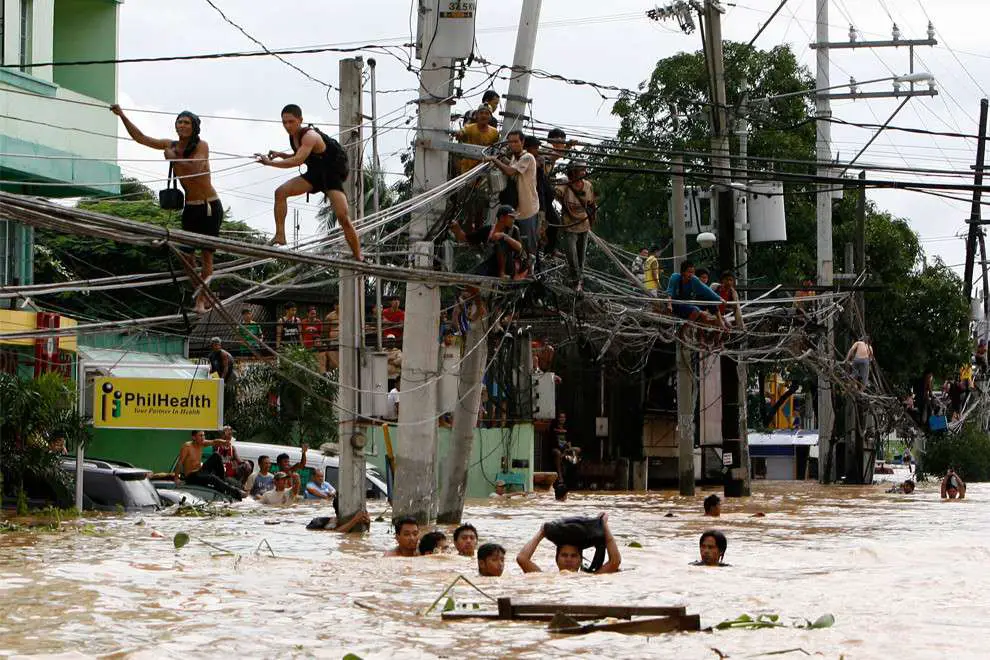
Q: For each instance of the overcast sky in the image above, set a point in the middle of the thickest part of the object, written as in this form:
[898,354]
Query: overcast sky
[578,39]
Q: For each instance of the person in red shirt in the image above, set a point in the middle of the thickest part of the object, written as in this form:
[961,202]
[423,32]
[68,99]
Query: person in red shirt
[312,329]
[394,319]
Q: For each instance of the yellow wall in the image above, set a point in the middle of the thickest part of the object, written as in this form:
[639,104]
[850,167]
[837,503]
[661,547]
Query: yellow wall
[17,321]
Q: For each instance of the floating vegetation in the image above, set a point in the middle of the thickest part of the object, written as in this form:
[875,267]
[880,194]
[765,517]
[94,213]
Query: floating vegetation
[763,621]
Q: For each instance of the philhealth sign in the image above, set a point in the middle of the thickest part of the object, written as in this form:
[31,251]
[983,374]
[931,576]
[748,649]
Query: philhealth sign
[158,403]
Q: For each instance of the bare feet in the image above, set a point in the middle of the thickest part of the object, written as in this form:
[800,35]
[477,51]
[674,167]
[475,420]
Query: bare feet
[278,240]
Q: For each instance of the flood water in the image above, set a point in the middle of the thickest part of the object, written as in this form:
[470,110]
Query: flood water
[904,576]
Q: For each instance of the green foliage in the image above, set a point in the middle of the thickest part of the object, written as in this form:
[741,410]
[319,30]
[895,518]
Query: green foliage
[61,257]
[31,410]
[967,452]
[180,540]
[763,621]
[306,413]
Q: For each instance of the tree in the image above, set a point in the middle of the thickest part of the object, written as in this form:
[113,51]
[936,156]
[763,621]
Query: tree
[66,257]
[918,318]
[31,410]
[282,403]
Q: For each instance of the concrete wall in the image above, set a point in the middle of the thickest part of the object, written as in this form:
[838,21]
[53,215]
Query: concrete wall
[154,450]
[86,30]
[489,446]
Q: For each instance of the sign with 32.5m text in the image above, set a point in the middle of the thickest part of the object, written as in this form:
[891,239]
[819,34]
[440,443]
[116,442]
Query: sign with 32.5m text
[158,403]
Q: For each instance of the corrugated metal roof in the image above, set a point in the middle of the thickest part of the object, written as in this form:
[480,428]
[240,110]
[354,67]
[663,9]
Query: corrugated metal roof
[133,364]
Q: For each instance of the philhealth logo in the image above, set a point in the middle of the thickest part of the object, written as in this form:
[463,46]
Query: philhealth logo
[113,397]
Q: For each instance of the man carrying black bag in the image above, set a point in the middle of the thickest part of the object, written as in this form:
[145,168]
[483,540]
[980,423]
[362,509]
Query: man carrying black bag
[572,536]
[189,160]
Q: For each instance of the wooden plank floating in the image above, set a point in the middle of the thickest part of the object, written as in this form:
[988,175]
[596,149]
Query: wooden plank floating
[566,618]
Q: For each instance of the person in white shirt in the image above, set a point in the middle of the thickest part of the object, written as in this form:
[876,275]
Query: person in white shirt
[522,170]
[393,402]
[282,493]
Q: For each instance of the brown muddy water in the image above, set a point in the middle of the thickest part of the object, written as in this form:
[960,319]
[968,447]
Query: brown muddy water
[904,576]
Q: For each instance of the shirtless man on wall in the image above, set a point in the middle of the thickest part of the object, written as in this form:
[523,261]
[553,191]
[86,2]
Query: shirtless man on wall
[190,158]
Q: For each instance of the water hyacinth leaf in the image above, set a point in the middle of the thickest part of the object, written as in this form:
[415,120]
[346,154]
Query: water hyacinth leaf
[180,540]
[635,544]
[351,656]
[824,621]
[449,605]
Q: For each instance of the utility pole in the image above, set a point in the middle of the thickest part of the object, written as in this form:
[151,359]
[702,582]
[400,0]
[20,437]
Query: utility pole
[375,198]
[823,98]
[517,97]
[453,481]
[735,449]
[416,448]
[742,207]
[975,213]
[686,390]
[351,483]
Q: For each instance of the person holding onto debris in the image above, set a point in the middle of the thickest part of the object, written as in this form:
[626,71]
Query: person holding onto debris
[466,540]
[491,560]
[189,159]
[568,557]
[713,545]
[406,538]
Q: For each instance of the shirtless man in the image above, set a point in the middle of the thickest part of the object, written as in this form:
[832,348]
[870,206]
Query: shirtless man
[320,176]
[406,538]
[861,354]
[196,473]
[568,557]
[190,156]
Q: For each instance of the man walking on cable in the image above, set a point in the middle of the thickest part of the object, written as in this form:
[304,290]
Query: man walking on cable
[326,171]
[189,159]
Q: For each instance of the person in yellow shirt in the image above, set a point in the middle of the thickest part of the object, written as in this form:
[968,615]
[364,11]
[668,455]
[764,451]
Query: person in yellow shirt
[479,132]
[652,271]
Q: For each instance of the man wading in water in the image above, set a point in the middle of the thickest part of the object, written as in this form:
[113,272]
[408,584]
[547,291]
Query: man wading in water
[326,170]
[190,158]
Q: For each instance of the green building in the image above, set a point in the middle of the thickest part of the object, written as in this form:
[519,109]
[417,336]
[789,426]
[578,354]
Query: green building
[57,136]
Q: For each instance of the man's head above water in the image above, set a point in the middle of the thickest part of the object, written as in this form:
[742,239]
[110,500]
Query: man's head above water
[568,557]
[713,545]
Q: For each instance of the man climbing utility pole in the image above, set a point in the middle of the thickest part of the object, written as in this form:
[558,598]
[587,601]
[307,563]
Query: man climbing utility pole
[453,481]
[416,445]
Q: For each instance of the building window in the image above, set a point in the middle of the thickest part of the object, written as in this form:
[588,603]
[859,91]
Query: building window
[27,33]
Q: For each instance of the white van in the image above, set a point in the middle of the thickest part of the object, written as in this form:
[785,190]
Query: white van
[315,460]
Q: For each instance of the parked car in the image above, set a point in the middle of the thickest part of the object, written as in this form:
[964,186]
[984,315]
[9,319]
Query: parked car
[112,485]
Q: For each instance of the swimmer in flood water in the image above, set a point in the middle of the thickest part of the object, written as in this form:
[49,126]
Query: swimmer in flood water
[560,491]
[406,538]
[466,540]
[433,543]
[713,506]
[953,487]
[906,487]
[568,557]
[491,560]
[713,545]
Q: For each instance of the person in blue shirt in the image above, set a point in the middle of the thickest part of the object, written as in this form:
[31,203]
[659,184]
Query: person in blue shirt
[684,288]
[318,488]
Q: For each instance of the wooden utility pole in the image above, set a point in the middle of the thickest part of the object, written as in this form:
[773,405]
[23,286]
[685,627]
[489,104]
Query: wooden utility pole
[416,447]
[351,481]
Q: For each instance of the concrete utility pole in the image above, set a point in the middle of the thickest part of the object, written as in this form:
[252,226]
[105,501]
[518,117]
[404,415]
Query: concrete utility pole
[453,481]
[735,449]
[517,98]
[375,198]
[351,484]
[416,447]
[686,390]
[823,215]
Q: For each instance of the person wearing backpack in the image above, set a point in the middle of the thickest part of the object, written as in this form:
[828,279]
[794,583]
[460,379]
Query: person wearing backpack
[326,171]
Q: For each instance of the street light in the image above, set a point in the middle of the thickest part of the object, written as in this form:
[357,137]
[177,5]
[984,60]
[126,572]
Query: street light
[706,239]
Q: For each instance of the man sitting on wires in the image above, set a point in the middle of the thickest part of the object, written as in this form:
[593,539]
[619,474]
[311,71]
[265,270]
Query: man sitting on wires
[189,160]
[684,288]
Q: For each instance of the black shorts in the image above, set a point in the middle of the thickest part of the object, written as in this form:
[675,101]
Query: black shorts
[202,219]
[323,180]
